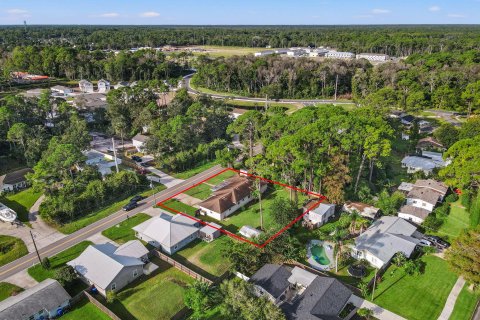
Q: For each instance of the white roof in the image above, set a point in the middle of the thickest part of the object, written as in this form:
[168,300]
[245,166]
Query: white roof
[419,163]
[100,264]
[132,248]
[249,232]
[211,228]
[301,276]
[322,209]
[168,230]
[405,186]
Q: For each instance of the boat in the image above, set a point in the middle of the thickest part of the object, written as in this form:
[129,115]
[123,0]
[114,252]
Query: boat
[7,214]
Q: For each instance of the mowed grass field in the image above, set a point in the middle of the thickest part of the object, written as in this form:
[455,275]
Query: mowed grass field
[465,304]
[223,51]
[85,310]
[123,232]
[8,290]
[416,297]
[11,249]
[456,222]
[21,202]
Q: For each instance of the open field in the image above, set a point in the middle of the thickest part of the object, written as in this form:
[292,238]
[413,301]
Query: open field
[416,297]
[219,51]
[159,296]
[457,220]
[123,232]
[8,289]
[11,249]
[85,310]
[465,304]
[21,202]
[191,172]
[202,191]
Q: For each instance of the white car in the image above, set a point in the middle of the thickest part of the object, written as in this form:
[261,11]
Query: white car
[425,243]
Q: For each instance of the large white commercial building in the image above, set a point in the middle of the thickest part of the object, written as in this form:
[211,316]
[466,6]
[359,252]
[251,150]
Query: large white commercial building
[340,55]
[374,57]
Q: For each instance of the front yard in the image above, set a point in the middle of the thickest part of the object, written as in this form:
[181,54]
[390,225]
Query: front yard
[156,297]
[465,304]
[8,289]
[11,249]
[21,202]
[123,232]
[416,297]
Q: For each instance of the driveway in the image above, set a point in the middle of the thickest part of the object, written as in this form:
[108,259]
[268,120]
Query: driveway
[164,178]
[43,233]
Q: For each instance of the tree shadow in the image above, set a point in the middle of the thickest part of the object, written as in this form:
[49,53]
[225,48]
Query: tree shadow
[391,285]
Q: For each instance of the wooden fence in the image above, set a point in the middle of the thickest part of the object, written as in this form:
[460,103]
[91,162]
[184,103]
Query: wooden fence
[180,266]
[100,306]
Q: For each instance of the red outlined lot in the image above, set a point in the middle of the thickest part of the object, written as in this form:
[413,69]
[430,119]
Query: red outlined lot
[230,234]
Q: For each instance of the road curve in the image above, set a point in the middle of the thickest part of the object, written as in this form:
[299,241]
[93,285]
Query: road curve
[98,226]
[190,90]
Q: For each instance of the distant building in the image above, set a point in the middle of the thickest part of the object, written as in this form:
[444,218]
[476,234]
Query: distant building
[90,101]
[103,86]
[373,57]
[430,143]
[363,209]
[85,86]
[319,215]
[297,52]
[319,52]
[340,55]
[121,84]
[416,164]
[61,90]
[263,53]
[139,141]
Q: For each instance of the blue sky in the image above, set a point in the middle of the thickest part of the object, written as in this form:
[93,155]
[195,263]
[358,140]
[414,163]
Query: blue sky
[240,12]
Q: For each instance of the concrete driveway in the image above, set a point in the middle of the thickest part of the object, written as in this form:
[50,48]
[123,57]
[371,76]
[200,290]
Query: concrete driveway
[164,178]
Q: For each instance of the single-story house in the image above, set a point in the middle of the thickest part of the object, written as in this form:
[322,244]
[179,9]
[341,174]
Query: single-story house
[103,161]
[429,143]
[415,164]
[45,300]
[414,214]
[14,180]
[249,232]
[318,215]
[85,86]
[384,238]
[363,209]
[168,232]
[210,231]
[103,85]
[300,294]
[407,119]
[109,267]
[90,101]
[230,196]
[61,89]
[437,157]
[138,142]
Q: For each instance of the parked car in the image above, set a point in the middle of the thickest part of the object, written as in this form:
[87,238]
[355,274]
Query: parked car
[136,158]
[144,164]
[130,206]
[425,243]
[137,198]
[437,241]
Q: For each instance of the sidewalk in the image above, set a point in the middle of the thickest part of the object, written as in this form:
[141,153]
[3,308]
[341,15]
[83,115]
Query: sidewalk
[165,179]
[452,298]
[378,312]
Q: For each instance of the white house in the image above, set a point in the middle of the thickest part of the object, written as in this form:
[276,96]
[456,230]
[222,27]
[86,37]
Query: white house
[61,90]
[14,180]
[103,161]
[231,195]
[414,214]
[319,215]
[249,232]
[85,86]
[138,142]
[415,164]
[374,57]
[423,198]
[103,85]
[384,238]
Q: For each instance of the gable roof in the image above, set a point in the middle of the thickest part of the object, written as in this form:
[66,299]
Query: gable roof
[362,208]
[100,264]
[140,137]
[429,141]
[387,236]
[15,176]
[273,278]
[132,248]
[420,163]
[425,194]
[48,294]
[168,230]
[321,209]
[437,186]
[415,211]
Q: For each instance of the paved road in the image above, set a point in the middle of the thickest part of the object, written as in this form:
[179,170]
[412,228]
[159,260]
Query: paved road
[249,99]
[82,234]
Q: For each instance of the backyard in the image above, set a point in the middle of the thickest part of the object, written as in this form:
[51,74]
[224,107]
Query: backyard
[11,249]
[123,232]
[159,296]
[456,221]
[8,289]
[21,202]
[416,297]
[85,310]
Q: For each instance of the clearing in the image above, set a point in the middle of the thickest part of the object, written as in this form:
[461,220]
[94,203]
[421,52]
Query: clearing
[123,232]
[11,249]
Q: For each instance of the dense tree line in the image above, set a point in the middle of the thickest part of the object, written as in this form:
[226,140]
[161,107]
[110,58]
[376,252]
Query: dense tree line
[392,40]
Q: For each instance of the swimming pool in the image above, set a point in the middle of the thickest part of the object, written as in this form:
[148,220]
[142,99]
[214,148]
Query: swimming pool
[319,254]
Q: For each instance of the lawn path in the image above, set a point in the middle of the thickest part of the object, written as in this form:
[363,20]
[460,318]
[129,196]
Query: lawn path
[452,298]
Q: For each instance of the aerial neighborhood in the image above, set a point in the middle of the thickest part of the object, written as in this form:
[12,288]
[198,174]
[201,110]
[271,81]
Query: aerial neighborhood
[238,172]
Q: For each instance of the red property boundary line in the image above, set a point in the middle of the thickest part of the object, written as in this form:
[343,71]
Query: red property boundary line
[230,234]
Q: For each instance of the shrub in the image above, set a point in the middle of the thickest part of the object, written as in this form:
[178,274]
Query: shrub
[111,296]
[65,275]
[46,263]
[451,198]
[432,223]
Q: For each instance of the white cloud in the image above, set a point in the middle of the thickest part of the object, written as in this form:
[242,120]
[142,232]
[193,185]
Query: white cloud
[380,11]
[110,15]
[456,15]
[149,14]
[434,8]
[17,11]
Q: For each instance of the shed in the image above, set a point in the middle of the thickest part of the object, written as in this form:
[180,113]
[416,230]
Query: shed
[249,232]
[210,231]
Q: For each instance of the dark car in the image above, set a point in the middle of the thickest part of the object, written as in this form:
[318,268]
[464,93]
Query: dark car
[144,164]
[137,198]
[130,206]
[438,242]
[136,158]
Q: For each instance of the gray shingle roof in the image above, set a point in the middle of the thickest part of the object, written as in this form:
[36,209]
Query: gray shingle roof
[48,295]
[273,278]
[425,194]
[414,211]
[438,186]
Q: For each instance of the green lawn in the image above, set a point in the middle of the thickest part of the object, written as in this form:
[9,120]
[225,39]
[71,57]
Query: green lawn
[11,249]
[123,232]
[345,277]
[194,171]
[206,256]
[180,206]
[416,297]
[100,214]
[159,296]
[465,304]
[21,202]
[457,220]
[221,177]
[85,310]
[38,273]
[202,191]
[8,289]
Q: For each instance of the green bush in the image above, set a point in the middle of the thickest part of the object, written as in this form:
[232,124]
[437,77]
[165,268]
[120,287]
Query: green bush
[451,198]
[466,199]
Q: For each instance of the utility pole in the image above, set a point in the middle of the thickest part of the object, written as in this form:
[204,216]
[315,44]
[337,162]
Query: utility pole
[374,283]
[115,154]
[35,245]
[266,102]
[154,194]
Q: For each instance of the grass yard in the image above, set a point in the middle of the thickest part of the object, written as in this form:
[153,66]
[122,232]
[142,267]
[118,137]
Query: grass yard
[224,51]
[38,273]
[222,176]
[465,304]
[345,277]
[180,206]
[194,171]
[250,105]
[416,297]
[21,202]
[123,232]
[206,256]
[11,249]
[85,310]
[159,296]
[202,191]
[457,220]
[8,289]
